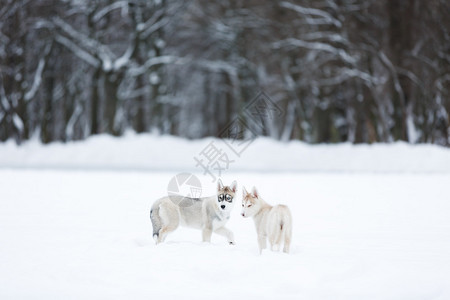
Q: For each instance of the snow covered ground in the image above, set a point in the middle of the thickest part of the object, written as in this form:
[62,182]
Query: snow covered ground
[370,222]
[163,153]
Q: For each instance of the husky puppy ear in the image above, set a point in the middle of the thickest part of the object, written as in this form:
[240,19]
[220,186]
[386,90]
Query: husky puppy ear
[255,192]
[219,185]
[244,191]
[234,186]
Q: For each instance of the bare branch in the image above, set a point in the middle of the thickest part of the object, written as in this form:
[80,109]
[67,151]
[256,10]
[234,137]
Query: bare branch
[81,53]
[326,17]
[109,8]
[316,46]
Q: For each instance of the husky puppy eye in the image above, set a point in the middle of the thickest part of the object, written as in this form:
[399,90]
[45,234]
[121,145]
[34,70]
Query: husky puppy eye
[220,197]
[228,198]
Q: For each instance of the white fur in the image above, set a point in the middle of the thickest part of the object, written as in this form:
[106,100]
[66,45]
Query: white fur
[209,214]
[272,222]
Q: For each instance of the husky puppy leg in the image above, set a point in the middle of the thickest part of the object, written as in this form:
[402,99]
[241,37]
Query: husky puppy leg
[206,234]
[226,233]
[287,239]
[274,234]
[262,242]
[170,220]
[207,229]
[287,231]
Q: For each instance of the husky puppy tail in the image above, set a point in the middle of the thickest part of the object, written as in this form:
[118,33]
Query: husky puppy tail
[281,228]
[156,221]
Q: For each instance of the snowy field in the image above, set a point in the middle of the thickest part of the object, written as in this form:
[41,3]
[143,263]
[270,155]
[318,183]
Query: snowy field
[370,222]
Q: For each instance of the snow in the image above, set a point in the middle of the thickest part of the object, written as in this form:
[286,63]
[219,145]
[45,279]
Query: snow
[326,17]
[371,222]
[319,46]
[36,82]
[150,152]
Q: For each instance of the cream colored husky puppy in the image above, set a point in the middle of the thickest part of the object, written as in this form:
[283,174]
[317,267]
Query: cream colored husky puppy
[272,222]
[209,214]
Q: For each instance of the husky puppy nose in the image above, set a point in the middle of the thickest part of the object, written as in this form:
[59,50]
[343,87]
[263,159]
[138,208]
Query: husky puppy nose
[222,206]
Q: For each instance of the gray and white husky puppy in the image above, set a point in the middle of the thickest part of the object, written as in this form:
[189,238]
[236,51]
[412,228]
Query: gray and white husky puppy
[272,222]
[209,214]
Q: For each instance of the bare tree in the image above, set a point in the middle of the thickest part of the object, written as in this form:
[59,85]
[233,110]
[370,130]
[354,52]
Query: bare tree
[338,70]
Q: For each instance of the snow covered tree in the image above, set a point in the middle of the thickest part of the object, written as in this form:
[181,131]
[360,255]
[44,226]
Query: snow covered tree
[334,70]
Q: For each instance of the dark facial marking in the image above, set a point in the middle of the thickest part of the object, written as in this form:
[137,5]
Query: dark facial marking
[225,197]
